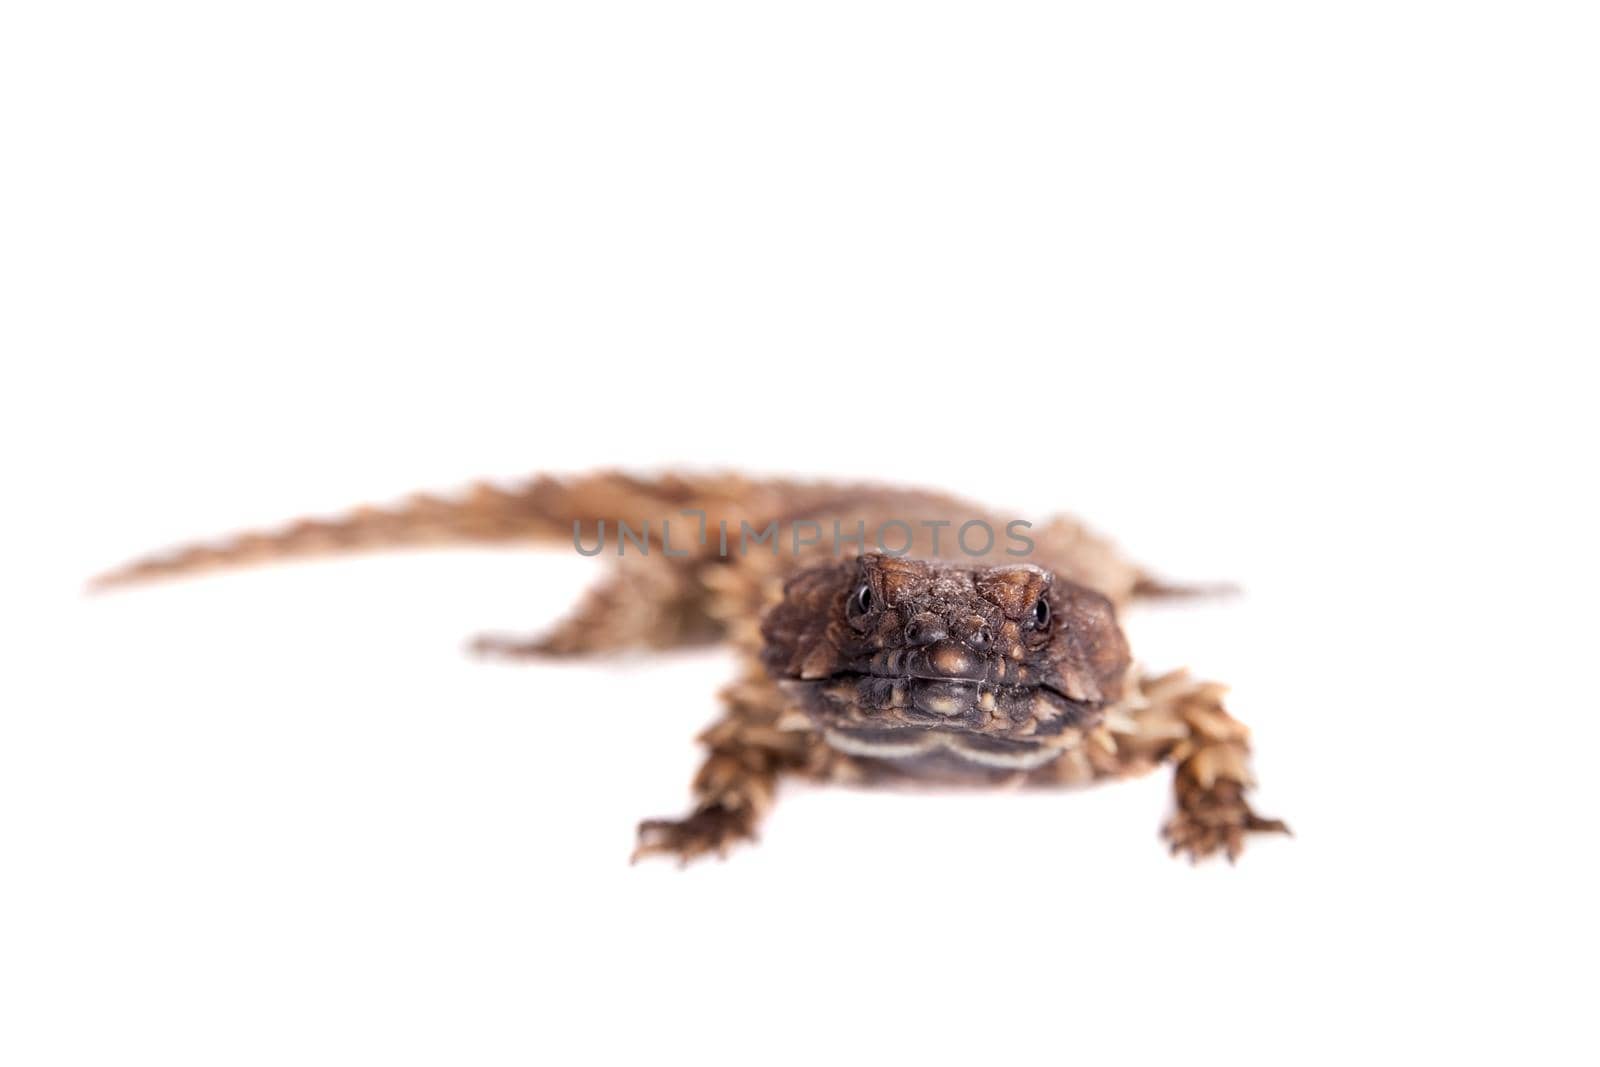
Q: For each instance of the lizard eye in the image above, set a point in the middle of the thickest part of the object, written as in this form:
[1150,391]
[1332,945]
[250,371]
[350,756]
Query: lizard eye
[1041,613]
[861,600]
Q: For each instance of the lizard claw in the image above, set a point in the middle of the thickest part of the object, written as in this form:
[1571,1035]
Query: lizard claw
[500,646]
[709,829]
[1216,820]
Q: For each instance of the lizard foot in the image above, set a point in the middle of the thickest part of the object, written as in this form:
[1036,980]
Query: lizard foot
[710,829]
[499,646]
[1215,819]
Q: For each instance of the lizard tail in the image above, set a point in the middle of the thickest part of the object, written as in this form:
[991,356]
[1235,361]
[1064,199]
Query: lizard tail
[1159,589]
[543,509]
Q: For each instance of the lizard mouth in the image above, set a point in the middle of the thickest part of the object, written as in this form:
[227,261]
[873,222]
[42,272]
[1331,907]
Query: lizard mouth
[979,750]
[879,707]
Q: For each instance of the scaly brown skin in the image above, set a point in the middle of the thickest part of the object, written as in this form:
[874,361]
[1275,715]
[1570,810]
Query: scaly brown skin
[860,666]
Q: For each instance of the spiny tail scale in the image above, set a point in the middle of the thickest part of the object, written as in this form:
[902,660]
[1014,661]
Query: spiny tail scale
[542,509]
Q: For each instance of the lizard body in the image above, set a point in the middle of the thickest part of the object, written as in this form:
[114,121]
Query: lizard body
[994,658]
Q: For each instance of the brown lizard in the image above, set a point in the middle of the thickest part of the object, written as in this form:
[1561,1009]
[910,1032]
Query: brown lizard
[886,635]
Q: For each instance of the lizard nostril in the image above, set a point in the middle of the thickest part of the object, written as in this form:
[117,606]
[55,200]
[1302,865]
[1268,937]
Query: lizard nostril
[925,630]
[981,638]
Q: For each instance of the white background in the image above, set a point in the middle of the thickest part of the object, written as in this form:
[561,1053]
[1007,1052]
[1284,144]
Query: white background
[1300,296]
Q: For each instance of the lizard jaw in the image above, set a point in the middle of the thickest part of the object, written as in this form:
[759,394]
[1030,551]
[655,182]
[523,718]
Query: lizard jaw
[922,714]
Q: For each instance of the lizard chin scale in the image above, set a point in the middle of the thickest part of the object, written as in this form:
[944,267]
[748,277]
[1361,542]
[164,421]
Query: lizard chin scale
[943,698]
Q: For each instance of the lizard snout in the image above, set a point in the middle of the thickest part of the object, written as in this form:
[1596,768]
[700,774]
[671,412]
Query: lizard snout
[952,659]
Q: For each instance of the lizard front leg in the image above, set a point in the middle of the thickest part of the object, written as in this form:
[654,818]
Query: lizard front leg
[1174,719]
[1184,722]
[751,748]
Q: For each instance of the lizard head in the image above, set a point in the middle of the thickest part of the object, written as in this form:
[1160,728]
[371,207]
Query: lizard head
[1000,666]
